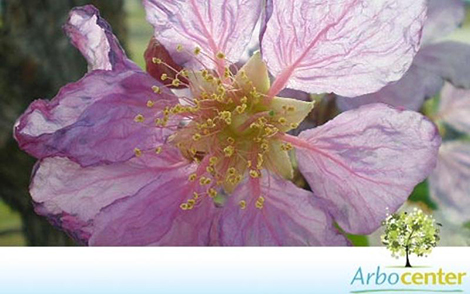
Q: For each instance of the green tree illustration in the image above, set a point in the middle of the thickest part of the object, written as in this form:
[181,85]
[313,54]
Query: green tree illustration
[408,233]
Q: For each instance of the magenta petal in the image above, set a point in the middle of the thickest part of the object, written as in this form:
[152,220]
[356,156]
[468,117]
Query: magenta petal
[153,215]
[290,217]
[71,196]
[449,183]
[454,108]
[443,17]
[349,47]
[214,26]
[92,120]
[365,162]
[93,36]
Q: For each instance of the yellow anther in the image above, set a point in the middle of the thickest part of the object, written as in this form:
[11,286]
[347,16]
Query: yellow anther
[242,204]
[228,151]
[210,169]
[150,103]
[192,150]
[230,140]
[158,150]
[137,152]
[248,163]
[261,199]
[220,55]
[212,192]
[254,174]
[210,123]
[231,171]
[204,73]
[207,181]
[254,126]
[164,77]
[259,205]
[282,120]
[227,72]
[244,100]
[197,50]
[204,181]
[264,146]
[191,202]
[156,89]
[156,60]
[241,108]
[179,48]
[294,125]
[195,195]
[286,147]
[192,177]
[176,82]
[139,118]
[213,160]
[158,121]
[196,137]
[184,206]
[184,73]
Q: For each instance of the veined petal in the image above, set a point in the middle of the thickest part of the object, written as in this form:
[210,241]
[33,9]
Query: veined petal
[409,92]
[93,36]
[92,120]
[213,26]
[349,47]
[449,183]
[290,217]
[72,196]
[454,108]
[365,162]
[443,17]
[153,215]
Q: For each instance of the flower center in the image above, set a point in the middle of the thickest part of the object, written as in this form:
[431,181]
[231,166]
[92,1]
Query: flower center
[229,128]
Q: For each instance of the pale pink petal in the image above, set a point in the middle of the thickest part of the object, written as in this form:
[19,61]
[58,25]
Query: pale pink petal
[349,47]
[214,26]
[432,65]
[93,36]
[366,162]
[449,184]
[409,92]
[290,217]
[106,202]
[92,120]
[449,60]
[454,108]
[443,17]
[153,216]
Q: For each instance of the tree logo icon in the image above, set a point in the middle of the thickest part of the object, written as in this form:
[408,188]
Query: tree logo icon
[410,233]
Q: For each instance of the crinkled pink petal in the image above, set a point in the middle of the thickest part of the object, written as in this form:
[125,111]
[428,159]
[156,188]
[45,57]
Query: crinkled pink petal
[454,108]
[409,92]
[365,162]
[443,17]
[92,120]
[152,216]
[213,26]
[290,217]
[71,196]
[349,47]
[449,184]
[93,36]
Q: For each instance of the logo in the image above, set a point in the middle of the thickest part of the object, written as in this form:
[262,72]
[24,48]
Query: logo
[408,234]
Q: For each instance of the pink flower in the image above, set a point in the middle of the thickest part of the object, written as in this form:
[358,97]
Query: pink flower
[123,161]
[437,61]
[449,183]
